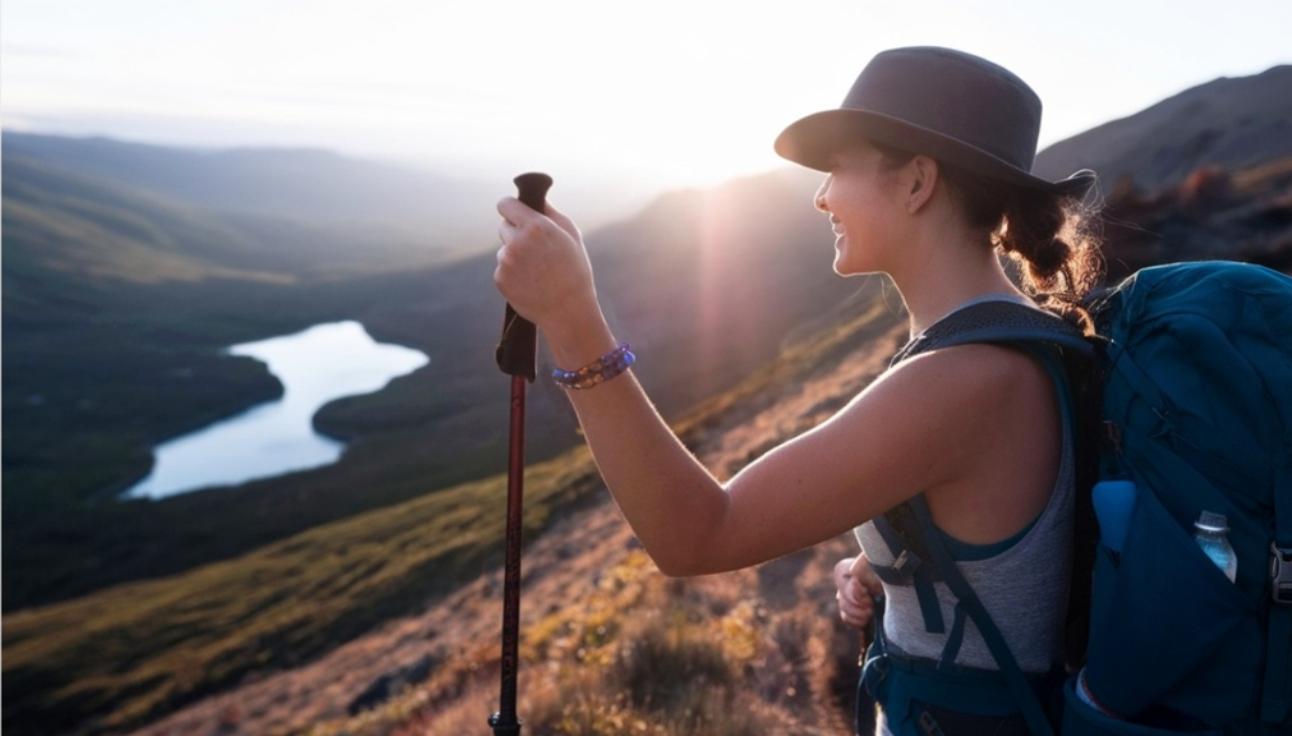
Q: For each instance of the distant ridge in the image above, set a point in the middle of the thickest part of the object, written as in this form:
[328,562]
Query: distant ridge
[308,184]
[1231,121]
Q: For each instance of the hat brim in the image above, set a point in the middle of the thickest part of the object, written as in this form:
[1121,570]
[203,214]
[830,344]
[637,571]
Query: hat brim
[812,140]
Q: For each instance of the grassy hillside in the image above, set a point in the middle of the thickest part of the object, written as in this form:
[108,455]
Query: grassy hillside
[121,656]
[136,650]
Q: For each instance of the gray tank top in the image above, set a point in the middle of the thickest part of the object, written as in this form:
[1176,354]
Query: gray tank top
[1022,582]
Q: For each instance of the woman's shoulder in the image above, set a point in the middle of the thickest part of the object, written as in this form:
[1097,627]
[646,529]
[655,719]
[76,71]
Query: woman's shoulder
[998,390]
[977,365]
[942,413]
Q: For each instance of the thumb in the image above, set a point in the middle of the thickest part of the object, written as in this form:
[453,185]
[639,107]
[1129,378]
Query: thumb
[862,573]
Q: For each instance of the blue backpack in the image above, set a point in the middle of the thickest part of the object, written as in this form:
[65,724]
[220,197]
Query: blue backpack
[1184,402]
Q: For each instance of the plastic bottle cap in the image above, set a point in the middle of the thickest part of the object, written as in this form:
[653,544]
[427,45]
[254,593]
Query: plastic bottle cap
[1210,521]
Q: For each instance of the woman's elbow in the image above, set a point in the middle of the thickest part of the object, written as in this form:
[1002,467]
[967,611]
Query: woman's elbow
[690,566]
[693,548]
[679,564]
[669,572]
[674,568]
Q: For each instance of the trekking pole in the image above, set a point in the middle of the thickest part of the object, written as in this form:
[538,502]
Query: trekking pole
[516,356]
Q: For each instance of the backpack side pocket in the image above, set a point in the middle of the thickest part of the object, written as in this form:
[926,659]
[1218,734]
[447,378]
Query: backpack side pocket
[1164,617]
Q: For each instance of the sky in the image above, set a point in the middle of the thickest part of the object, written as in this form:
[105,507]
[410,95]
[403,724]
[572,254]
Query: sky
[661,93]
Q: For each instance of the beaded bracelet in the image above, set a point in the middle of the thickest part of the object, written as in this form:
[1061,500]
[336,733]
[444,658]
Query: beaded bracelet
[598,371]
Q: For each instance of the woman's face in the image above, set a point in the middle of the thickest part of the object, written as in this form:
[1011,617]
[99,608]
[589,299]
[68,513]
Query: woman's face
[860,197]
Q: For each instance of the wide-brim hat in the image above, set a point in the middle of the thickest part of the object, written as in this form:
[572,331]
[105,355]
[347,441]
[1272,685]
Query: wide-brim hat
[956,107]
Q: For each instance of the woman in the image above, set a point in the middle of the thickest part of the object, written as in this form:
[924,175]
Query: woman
[927,164]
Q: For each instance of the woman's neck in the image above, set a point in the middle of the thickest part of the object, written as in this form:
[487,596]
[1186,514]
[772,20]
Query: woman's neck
[933,281]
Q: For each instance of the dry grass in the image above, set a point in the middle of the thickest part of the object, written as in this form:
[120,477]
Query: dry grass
[645,654]
[250,638]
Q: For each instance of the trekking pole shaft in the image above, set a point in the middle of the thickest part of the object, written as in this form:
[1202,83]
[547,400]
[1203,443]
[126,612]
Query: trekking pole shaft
[505,722]
[516,355]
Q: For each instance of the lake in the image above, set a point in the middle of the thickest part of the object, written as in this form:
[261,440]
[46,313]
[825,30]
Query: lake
[316,365]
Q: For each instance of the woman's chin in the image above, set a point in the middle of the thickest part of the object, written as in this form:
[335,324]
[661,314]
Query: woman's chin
[841,266]
[844,266]
[840,256]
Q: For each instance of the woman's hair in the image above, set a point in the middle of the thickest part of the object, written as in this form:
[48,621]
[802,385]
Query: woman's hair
[1054,237]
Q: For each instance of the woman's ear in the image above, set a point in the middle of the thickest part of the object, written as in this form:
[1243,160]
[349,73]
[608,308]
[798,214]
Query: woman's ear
[922,175]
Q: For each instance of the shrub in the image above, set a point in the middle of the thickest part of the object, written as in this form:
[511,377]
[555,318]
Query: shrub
[662,664]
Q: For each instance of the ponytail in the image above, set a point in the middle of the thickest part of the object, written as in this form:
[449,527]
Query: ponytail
[1054,239]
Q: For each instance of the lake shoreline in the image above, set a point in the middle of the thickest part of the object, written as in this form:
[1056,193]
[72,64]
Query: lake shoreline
[313,367]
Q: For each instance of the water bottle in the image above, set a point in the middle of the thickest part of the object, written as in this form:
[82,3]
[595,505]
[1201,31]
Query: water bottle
[1211,530]
[1114,501]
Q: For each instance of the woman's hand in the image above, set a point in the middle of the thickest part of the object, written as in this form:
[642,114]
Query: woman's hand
[857,586]
[543,267]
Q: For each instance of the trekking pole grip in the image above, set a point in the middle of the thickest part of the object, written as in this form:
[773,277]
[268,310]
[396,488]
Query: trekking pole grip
[516,352]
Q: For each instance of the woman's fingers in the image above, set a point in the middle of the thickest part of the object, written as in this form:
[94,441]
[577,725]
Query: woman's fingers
[543,267]
[564,222]
[856,607]
[516,212]
[505,233]
[858,586]
[853,585]
[842,572]
[861,571]
[855,613]
[517,215]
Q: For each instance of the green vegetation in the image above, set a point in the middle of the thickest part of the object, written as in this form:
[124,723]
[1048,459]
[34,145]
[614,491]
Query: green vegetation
[134,651]
[128,654]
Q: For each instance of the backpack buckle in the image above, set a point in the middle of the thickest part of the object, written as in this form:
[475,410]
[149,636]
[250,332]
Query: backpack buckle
[1281,574]
[906,563]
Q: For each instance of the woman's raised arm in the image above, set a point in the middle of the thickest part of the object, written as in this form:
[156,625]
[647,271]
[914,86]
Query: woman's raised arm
[914,427]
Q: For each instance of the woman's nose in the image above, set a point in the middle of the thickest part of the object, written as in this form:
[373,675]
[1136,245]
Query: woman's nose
[819,199]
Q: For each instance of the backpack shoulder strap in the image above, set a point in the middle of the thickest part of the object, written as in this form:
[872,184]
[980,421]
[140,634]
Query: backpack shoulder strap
[1029,703]
[995,322]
